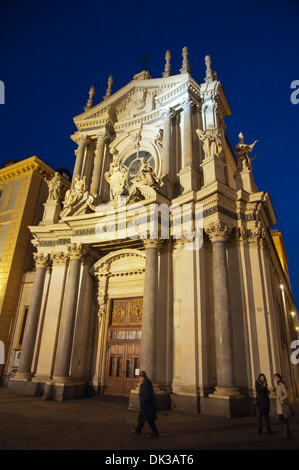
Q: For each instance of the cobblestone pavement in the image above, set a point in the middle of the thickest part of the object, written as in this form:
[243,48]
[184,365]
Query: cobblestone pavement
[105,423]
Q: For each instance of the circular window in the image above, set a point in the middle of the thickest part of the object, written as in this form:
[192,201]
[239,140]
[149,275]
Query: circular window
[133,162]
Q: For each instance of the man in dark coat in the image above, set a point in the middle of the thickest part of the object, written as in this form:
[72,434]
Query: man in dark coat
[147,405]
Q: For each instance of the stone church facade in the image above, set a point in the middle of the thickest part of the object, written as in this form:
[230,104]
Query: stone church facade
[159,257]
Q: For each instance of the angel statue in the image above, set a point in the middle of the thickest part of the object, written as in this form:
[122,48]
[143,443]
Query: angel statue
[242,151]
[211,142]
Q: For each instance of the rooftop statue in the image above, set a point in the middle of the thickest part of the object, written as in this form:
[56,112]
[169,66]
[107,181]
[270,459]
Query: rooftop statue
[242,151]
[55,186]
[211,142]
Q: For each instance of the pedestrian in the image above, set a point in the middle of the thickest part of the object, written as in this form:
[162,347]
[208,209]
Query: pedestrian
[282,402]
[147,406]
[262,403]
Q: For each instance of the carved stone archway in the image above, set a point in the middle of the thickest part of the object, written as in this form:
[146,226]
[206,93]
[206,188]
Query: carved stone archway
[119,274]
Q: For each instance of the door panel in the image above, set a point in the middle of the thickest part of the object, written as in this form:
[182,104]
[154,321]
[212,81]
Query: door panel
[124,346]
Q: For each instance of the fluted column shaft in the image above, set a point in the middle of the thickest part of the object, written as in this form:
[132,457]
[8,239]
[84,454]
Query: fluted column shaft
[149,308]
[42,263]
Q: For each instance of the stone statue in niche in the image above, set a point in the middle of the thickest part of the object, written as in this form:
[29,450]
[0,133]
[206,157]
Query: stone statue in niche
[211,141]
[242,151]
[116,177]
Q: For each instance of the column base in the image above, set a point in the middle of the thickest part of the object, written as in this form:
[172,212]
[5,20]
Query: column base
[228,403]
[189,180]
[167,188]
[63,390]
[22,386]
[213,169]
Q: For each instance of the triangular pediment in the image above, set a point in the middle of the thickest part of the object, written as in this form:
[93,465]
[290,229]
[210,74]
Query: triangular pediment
[142,96]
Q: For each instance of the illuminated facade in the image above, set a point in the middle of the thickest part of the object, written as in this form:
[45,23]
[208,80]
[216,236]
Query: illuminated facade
[201,308]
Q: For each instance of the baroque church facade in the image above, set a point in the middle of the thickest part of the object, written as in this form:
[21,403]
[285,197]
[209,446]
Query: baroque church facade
[159,257]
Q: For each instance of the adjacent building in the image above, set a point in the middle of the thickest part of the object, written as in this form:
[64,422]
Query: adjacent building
[23,191]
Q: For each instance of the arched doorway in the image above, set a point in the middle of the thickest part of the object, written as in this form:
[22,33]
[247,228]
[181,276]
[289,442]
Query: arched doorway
[120,285]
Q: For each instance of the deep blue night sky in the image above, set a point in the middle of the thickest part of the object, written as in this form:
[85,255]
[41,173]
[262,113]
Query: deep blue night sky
[53,51]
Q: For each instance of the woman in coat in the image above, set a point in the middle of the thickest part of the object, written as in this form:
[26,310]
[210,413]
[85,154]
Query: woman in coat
[263,402]
[147,405]
[281,399]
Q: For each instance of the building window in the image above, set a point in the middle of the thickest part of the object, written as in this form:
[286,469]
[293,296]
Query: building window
[133,162]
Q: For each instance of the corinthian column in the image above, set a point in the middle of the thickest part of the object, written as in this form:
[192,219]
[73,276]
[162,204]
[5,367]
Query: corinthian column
[98,163]
[167,115]
[149,307]
[24,369]
[67,322]
[187,132]
[189,178]
[83,139]
[218,234]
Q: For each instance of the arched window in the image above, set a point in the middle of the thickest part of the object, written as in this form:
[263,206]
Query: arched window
[133,162]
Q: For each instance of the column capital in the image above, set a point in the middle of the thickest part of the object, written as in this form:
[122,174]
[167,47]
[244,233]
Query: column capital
[187,102]
[168,113]
[76,251]
[83,139]
[102,136]
[152,243]
[217,232]
[59,257]
[42,260]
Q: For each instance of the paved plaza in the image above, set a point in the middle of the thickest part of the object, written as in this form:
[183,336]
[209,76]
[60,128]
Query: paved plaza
[105,423]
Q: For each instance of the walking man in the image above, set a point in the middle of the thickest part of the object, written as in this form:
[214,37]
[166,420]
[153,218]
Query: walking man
[147,405]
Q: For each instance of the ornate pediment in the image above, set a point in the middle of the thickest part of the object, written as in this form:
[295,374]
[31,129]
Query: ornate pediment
[142,96]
